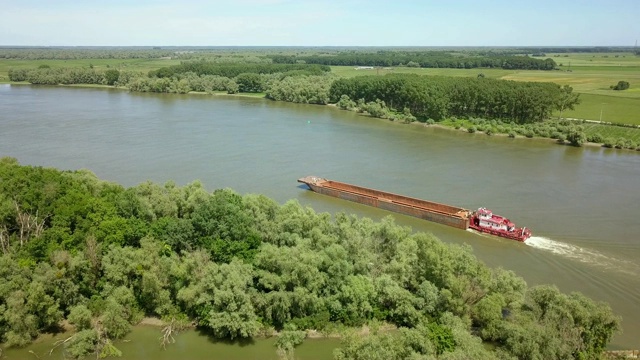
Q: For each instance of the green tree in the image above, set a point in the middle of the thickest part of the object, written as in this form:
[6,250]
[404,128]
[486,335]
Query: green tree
[111,76]
[567,99]
[249,82]
[80,317]
[84,342]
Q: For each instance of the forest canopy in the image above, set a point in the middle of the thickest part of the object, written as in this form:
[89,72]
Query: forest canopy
[425,59]
[441,97]
[103,256]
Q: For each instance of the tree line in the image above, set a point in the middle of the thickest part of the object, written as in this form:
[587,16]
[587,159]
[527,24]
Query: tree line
[439,97]
[429,59]
[45,75]
[102,256]
[294,85]
[75,54]
[233,69]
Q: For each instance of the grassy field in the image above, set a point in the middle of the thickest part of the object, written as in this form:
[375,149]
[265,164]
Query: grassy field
[589,74]
[612,131]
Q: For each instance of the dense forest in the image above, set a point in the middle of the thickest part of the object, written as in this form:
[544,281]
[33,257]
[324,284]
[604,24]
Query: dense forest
[233,70]
[439,97]
[428,59]
[102,256]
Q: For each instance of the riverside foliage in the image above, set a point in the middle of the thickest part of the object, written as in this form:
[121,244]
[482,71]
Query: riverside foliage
[425,59]
[439,97]
[102,256]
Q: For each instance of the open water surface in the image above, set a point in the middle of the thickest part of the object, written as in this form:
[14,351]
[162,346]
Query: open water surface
[582,204]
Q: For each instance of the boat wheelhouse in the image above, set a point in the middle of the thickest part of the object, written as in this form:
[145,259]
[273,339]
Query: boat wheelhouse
[484,220]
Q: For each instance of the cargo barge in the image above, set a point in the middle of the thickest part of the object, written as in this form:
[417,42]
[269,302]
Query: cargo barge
[482,220]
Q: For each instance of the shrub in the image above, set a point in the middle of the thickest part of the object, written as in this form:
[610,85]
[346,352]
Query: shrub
[543,133]
[346,103]
[609,142]
[472,129]
[576,137]
[622,85]
[512,134]
[595,138]
[377,109]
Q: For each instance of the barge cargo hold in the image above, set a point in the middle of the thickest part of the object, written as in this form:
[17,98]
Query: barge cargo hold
[482,220]
[427,210]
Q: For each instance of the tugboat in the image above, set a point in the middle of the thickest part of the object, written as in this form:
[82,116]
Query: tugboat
[484,220]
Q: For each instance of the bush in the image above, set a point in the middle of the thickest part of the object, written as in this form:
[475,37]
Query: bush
[232,87]
[376,109]
[543,133]
[595,138]
[472,129]
[622,85]
[346,103]
[512,134]
[629,144]
[576,137]
[561,138]
[609,142]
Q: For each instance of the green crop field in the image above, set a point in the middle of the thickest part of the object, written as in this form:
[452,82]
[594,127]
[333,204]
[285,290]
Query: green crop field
[607,108]
[590,74]
[612,131]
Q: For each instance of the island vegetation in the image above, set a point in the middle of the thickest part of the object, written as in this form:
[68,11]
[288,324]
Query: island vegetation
[101,257]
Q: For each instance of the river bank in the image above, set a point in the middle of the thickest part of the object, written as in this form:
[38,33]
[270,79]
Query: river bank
[577,133]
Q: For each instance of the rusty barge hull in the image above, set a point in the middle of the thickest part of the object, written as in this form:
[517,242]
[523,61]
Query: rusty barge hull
[427,210]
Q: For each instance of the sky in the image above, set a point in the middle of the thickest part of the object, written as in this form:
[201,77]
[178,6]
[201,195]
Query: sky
[319,23]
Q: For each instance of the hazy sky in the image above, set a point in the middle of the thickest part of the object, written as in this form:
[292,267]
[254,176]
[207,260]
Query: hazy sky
[320,22]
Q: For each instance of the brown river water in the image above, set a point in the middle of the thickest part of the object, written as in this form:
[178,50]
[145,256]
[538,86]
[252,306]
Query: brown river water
[582,204]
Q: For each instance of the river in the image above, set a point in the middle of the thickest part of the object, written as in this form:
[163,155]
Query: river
[581,203]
